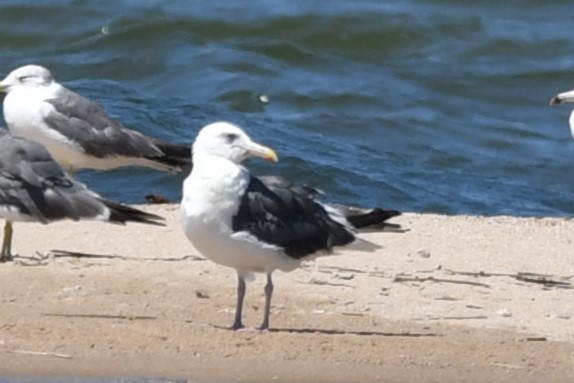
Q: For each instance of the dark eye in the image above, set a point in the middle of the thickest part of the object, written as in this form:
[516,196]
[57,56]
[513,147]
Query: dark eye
[230,137]
[23,78]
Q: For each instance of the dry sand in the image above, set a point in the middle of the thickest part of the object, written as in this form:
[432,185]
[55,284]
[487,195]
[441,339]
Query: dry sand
[455,299]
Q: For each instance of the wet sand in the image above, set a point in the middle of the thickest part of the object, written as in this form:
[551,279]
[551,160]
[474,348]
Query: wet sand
[455,299]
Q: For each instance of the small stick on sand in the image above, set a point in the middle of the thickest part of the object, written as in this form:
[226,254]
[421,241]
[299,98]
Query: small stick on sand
[40,353]
[74,254]
[543,279]
[439,280]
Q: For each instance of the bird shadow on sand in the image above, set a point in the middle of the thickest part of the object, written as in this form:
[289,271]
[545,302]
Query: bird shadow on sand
[347,332]
[303,330]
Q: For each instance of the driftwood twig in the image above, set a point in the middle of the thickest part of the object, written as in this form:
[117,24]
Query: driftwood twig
[102,316]
[478,273]
[41,353]
[544,279]
[453,317]
[75,254]
[321,282]
[439,280]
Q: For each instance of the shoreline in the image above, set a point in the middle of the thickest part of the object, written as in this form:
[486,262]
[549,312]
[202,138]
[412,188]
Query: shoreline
[456,298]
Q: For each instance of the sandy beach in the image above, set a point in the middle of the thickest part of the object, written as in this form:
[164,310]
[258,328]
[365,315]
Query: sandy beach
[453,299]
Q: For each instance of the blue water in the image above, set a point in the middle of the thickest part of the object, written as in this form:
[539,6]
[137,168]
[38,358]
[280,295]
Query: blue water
[426,106]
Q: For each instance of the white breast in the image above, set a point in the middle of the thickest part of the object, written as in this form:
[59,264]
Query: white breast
[571,121]
[211,198]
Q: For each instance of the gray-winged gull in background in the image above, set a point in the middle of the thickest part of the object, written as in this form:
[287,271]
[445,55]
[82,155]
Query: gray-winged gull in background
[77,131]
[564,98]
[34,188]
[258,224]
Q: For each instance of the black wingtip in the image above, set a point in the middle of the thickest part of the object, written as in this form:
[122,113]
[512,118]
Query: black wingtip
[375,218]
[178,157]
[122,213]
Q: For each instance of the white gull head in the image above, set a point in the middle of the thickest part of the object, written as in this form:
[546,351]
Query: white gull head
[29,76]
[223,139]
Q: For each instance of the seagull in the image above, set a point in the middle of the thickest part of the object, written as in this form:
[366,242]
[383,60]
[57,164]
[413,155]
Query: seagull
[34,188]
[258,225]
[563,98]
[77,131]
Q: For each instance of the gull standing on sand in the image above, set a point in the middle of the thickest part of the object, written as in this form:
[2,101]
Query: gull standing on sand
[564,98]
[258,224]
[34,188]
[77,131]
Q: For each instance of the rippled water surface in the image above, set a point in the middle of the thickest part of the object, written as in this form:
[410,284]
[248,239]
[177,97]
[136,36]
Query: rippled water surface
[427,106]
